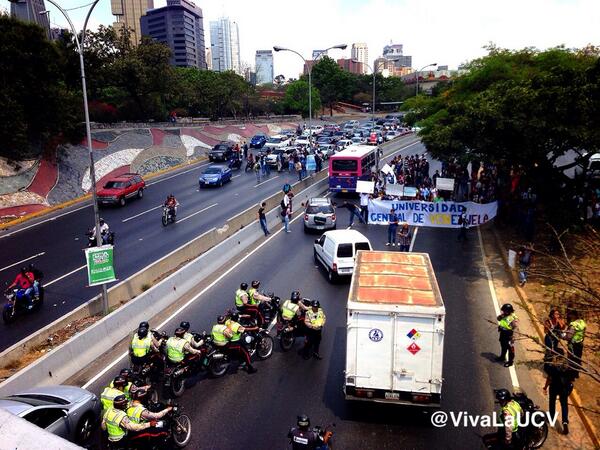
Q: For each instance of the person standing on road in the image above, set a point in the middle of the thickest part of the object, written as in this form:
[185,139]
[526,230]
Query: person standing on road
[245,149]
[507,324]
[575,335]
[525,254]
[257,169]
[314,320]
[286,211]
[404,238]
[560,381]
[463,221]
[554,326]
[354,212]
[262,218]
[392,228]
[364,206]
[298,167]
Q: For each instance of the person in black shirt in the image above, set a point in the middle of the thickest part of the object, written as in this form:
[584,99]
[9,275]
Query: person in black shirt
[560,381]
[303,438]
[262,218]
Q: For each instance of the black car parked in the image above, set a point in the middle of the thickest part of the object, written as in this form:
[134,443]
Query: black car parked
[222,151]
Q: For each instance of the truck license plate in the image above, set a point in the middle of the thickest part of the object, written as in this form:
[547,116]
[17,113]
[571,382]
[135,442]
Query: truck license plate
[392,396]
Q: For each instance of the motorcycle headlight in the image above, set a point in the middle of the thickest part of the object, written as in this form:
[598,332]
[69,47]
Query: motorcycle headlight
[248,339]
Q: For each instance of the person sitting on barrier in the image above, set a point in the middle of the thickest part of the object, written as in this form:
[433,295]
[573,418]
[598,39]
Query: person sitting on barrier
[177,348]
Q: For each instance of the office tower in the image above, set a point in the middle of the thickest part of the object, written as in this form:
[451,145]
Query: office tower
[31,11]
[178,25]
[360,53]
[128,14]
[264,66]
[225,46]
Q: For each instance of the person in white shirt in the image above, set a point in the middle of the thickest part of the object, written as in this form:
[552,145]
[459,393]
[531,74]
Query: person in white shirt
[364,206]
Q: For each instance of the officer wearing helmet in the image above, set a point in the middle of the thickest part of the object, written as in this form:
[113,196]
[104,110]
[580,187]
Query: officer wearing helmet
[291,309]
[507,324]
[189,336]
[116,388]
[235,345]
[511,414]
[314,320]
[177,347]
[117,424]
[142,343]
[247,300]
[302,437]
[138,413]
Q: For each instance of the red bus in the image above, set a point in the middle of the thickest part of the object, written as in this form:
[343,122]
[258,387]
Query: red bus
[354,163]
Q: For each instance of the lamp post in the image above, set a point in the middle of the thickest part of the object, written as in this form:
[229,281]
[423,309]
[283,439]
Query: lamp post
[79,44]
[424,67]
[283,49]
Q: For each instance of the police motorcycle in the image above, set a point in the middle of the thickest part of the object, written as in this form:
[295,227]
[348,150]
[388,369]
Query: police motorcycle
[107,238]
[175,375]
[177,427]
[535,433]
[258,342]
[18,302]
[269,310]
[289,330]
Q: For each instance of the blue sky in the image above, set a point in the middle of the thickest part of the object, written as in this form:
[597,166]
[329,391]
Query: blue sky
[442,31]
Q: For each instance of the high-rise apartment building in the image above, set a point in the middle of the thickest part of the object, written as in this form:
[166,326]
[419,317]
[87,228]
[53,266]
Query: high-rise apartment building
[128,14]
[393,52]
[264,66]
[360,53]
[29,11]
[179,25]
[225,46]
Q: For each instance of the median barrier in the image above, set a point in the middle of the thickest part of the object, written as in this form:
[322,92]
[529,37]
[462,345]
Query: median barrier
[82,349]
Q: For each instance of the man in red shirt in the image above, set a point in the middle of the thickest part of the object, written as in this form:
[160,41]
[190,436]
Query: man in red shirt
[24,281]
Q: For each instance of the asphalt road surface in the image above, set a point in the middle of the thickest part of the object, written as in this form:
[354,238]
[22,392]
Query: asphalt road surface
[55,243]
[256,411]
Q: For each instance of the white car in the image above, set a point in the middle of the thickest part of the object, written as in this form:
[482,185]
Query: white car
[352,124]
[359,140]
[391,135]
[277,141]
[343,143]
[302,140]
[316,129]
[336,251]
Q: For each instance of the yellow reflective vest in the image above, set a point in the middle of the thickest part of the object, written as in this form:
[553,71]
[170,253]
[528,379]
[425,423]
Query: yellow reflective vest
[218,335]
[578,326]
[140,347]
[316,319]
[289,309]
[514,409]
[134,412]
[506,322]
[113,418]
[175,351]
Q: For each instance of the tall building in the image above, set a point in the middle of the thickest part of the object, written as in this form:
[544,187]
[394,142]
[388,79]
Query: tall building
[393,52]
[208,54]
[264,66]
[179,25]
[360,52]
[225,46]
[29,11]
[350,66]
[128,13]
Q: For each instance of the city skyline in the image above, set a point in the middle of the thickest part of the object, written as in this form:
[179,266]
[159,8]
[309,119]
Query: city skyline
[434,32]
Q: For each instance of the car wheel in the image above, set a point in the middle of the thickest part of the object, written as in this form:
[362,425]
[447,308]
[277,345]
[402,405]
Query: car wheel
[122,201]
[220,183]
[140,193]
[306,229]
[331,275]
[85,428]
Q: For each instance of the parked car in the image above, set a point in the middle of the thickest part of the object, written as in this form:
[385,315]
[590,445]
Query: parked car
[352,123]
[302,140]
[118,189]
[288,132]
[316,129]
[319,214]
[258,140]
[336,250]
[66,411]
[277,141]
[223,151]
[215,176]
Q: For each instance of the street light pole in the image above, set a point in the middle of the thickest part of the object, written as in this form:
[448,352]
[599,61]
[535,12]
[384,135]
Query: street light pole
[374,72]
[424,67]
[283,49]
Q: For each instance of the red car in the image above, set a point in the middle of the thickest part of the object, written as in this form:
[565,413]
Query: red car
[118,189]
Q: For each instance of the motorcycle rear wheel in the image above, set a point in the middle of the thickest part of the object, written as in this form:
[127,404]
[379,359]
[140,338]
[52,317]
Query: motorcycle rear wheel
[177,386]
[538,435]
[286,341]
[181,430]
[218,367]
[264,347]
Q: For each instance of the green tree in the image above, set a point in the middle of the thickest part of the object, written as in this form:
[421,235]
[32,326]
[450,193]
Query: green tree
[333,83]
[296,98]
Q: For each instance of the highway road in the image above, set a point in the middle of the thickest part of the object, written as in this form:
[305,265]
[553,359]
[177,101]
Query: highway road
[256,411]
[55,243]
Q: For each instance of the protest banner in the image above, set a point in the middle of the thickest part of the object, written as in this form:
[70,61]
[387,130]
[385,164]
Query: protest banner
[394,189]
[365,187]
[444,184]
[409,191]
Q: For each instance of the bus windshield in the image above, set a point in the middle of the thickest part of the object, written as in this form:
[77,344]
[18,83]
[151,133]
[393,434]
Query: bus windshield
[344,165]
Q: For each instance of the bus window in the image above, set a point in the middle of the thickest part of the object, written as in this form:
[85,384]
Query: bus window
[344,165]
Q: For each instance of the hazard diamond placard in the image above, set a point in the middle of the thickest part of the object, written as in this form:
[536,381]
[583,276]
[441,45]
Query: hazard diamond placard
[413,348]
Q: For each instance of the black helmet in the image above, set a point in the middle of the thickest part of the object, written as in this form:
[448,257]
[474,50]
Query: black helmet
[139,394]
[120,402]
[234,316]
[119,381]
[23,270]
[244,286]
[144,325]
[507,308]
[101,220]
[303,421]
[185,325]
[221,320]
[142,332]
[502,395]
[179,332]
[315,303]
[295,296]
[126,373]
[255,284]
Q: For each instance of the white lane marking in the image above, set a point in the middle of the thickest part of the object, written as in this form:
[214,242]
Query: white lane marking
[140,214]
[22,261]
[256,185]
[235,176]
[64,276]
[43,221]
[192,300]
[197,212]
[177,174]
[414,238]
[511,370]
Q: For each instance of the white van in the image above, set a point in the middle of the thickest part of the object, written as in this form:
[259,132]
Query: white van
[336,251]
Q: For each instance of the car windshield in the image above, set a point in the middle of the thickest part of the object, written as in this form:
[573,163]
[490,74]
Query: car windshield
[319,209]
[275,140]
[344,251]
[36,399]
[114,185]
[212,170]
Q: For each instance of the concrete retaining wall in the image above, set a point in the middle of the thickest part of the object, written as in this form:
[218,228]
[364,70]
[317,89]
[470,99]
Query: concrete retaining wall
[82,349]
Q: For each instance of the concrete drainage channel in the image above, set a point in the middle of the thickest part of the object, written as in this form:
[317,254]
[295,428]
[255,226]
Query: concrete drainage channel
[185,270]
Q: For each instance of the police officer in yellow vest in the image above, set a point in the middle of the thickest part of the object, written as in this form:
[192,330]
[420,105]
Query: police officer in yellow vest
[575,335]
[117,424]
[142,343]
[290,311]
[221,334]
[189,336]
[507,324]
[314,322]
[177,347]
[138,413]
[247,301]
[116,388]
[235,345]
[511,414]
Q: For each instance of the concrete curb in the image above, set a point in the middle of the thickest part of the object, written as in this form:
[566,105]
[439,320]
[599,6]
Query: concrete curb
[587,424]
[82,349]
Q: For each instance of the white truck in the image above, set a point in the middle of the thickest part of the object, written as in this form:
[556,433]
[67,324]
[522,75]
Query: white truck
[395,330]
